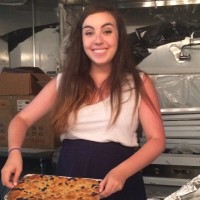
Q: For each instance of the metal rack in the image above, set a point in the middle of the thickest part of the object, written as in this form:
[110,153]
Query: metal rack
[179,163]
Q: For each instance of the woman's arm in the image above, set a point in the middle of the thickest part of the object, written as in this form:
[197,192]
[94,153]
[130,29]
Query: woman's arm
[152,124]
[34,111]
[153,129]
[18,127]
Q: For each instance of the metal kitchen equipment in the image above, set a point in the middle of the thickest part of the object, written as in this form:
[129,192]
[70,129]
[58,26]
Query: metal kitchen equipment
[180,108]
[135,3]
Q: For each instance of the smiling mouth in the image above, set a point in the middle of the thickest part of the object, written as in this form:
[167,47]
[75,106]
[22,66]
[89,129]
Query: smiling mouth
[99,50]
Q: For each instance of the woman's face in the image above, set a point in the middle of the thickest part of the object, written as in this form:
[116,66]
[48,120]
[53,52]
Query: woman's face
[100,38]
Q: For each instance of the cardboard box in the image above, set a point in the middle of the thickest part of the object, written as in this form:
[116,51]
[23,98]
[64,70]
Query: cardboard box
[6,114]
[18,87]
[22,81]
[40,135]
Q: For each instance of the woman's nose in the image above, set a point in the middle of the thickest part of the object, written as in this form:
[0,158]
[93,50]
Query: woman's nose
[98,39]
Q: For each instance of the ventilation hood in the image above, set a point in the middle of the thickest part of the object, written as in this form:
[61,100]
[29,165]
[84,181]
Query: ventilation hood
[135,3]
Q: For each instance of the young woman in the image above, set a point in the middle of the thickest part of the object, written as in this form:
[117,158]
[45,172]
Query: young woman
[97,103]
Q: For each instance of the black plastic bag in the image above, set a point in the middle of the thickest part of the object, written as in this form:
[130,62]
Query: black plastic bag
[139,50]
[158,34]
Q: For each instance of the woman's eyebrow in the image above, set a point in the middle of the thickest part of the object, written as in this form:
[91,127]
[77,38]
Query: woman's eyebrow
[87,26]
[106,24]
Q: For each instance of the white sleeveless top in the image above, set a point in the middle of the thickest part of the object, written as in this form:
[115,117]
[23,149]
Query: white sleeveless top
[93,121]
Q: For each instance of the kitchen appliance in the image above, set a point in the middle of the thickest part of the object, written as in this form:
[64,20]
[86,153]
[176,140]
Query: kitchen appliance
[180,108]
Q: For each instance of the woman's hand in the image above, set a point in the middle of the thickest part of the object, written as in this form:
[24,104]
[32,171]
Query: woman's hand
[113,182]
[12,169]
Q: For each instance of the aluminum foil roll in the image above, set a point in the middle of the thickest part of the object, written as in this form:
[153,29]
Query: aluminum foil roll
[189,191]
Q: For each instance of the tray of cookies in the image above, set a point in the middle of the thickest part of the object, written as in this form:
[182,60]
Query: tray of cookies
[51,187]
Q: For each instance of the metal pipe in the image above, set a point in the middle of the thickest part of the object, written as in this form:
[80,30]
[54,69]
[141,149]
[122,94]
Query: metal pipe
[61,20]
[155,4]
[33,32]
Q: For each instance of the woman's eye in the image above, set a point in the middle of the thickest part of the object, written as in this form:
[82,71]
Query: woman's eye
[88,33]
[107,32]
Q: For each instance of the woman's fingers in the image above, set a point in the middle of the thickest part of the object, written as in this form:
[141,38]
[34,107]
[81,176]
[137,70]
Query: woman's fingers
[109,185]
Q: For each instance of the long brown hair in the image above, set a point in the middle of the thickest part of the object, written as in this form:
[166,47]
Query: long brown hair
[76,84]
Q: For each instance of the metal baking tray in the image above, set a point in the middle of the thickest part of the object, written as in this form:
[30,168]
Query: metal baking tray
[28,175]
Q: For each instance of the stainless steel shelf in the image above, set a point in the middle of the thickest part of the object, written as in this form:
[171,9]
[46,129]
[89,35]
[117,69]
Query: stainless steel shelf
[180,110]
[165,181]
[178,159]
[135,3]
[144,3]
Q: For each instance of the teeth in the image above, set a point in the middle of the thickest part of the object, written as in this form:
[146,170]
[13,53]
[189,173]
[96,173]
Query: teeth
[99,50]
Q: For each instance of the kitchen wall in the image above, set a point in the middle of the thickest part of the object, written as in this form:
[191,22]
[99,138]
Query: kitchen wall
[19,46]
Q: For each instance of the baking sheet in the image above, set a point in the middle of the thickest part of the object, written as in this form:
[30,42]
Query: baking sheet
[28,175]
